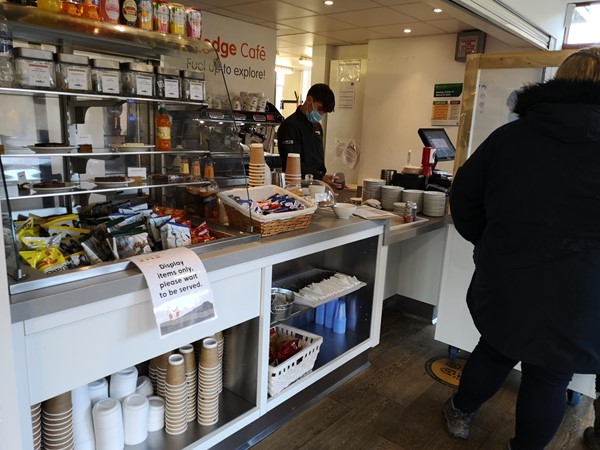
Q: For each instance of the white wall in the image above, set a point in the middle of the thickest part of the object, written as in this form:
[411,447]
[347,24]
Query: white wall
[549,15]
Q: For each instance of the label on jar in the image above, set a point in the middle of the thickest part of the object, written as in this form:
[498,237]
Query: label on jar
[110,83]
[129,11]
[177,19]
[161,17]
[143,85]
[77,79]
[144,12]
[163,132]
[196,90]
[38,74]
[110,10]
[171,88]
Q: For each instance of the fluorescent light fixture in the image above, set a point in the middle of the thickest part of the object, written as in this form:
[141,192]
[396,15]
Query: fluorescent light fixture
[284,70]
[328,2]
[407,30]
[304,61]
[437,10]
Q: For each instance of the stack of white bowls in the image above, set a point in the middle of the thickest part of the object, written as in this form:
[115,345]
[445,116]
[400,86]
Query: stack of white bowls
[413,195]
[98,390]
[57,422]
[83,429]
[123,383]
[136,409]
[108,424]
[156,413]
[434,203]
[210,383]
[176,400]
[390,195]
[372,188]
[191,379]
[36,425]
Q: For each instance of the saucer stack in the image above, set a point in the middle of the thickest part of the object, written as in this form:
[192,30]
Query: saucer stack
[293,171]
[210,383]
[36,425]
[57,422]
[191,377]
[176,400]
[123,383]
[390,195]
[413,195]
[372,188]
[257,175]
[434,203]
[83,428]
[156,413]
[108,424]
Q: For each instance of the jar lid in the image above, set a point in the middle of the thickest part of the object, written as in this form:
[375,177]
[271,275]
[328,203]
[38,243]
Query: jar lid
[168,71]
[33,53]
[105,64]
[192,74]
[72,59]
[138,67]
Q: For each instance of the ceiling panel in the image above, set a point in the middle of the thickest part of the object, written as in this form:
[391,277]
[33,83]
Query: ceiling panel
[338,6]
[355,35]
[317,24]
[373,17]
[420,11]
[309,39]
[271,10]
[418,29]
[211,4]
[450,25]
[394,2]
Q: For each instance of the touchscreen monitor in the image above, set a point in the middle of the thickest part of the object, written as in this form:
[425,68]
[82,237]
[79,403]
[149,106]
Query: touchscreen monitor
[438,138]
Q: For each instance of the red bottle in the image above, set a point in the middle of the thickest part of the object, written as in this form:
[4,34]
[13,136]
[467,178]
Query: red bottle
[163,131]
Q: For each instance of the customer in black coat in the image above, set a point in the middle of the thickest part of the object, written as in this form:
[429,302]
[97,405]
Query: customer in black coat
[529,200]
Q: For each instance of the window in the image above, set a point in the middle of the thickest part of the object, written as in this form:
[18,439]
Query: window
[583,25]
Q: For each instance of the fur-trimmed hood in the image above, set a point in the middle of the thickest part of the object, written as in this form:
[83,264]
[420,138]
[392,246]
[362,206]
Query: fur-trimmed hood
[564,109]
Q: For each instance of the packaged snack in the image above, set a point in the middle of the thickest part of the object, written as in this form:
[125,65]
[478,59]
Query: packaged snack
[96,250]
[175,235]
[124,245]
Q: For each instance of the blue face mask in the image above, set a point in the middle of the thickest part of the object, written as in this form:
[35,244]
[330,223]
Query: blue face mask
[314,116]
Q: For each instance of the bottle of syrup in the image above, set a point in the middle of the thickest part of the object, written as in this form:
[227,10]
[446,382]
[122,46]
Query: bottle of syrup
[128,13]
[163,131]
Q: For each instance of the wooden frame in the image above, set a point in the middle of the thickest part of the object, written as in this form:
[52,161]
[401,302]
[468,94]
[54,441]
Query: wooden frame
[478,62]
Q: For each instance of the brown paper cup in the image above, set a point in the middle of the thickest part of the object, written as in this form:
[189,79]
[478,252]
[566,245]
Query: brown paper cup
[189,358]
[175,370]
[257,154]
[210,353]
[58,404]
[292,166]
[162,361]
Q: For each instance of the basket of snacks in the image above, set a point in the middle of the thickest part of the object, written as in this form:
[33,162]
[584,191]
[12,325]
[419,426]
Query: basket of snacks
[292,354]
[270,209]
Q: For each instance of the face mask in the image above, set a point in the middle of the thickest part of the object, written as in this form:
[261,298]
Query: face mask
[314,116]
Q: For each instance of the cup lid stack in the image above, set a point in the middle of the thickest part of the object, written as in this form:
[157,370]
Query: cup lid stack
[123,383]
[136,409]
[108,424]
[98,390]
[36,425]
[57,422]
[83,428]
[176,400]
[390,195]
[434,203]
[156,413]
[210,383]
[144,386]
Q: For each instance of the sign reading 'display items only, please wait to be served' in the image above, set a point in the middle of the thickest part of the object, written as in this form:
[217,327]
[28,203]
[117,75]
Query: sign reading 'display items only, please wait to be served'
[179,287]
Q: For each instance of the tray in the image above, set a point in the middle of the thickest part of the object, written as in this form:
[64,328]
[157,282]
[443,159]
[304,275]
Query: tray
[284,374]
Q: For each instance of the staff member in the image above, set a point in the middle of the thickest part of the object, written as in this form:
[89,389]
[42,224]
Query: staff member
[302,133]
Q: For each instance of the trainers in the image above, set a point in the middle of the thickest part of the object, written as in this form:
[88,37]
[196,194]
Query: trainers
[591,438]
[458,422]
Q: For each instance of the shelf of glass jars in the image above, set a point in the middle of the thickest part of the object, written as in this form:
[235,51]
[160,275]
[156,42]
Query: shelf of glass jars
[35,25]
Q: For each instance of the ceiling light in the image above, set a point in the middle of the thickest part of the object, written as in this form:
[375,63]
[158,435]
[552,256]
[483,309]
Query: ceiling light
[328,2]
[437,10]
[284,70]
[304,61]
[407,30]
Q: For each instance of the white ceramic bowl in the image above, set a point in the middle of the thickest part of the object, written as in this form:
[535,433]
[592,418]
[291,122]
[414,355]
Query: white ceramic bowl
[343,210]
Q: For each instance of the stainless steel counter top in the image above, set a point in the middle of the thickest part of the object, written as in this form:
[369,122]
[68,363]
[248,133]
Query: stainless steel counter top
[324,226]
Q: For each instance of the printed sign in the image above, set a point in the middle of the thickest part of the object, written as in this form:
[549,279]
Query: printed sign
[178,284]
[447,101]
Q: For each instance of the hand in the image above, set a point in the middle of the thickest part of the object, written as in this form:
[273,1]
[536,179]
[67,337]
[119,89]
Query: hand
[333,181]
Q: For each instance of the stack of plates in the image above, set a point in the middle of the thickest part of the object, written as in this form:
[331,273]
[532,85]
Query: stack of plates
[434,203]
[413,195]
[390,195]
[372,188]
[399,208]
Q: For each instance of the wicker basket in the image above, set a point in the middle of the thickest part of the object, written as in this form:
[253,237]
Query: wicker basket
[239,216]
[301,363]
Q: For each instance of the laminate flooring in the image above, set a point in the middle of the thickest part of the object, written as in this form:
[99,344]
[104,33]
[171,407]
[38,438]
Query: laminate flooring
[396,405]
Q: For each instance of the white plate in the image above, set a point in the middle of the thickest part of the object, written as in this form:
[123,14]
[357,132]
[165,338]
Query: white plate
[41,190]
[111,184]
[43,150]
[133,147]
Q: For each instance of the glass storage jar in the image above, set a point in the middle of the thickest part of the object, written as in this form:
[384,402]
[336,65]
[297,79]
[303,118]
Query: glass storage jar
[106,77]
[137,79]
[168,83]
[34,69]
[193,85]
[73,73]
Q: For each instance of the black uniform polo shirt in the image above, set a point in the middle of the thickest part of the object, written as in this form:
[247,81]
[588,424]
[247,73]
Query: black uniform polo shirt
[297,135]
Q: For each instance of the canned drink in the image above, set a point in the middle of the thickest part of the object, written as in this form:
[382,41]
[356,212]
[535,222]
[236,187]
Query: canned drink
[160,17]
[410,212]
[194,23]
[145,11]
[177,19]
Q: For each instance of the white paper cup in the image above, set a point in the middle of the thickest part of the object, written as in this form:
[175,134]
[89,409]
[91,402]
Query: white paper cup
[136,409]
[123,383]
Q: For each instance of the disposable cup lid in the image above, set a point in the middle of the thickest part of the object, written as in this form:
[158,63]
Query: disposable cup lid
[107,406]
[135,401]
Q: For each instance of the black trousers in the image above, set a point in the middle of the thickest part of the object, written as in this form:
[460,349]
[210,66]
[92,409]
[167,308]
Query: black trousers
[541,401]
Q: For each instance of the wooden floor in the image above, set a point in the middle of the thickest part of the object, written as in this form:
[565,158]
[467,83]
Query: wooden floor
[396,405]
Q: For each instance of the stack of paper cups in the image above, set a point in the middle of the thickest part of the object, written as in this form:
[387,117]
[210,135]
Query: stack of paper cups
[189,361]
[83,429]
[144,386]
[98,390]
[123,383]
[57,422]
[162,362]
[210,382]
[293,171]
[36,425]
[108,424]
[156,413]
[136,409]
[175,396]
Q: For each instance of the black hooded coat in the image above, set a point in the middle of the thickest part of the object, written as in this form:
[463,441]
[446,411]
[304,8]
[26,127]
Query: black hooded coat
[529,200]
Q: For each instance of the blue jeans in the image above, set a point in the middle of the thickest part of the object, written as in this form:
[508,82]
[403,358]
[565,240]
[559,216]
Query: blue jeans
[541,402]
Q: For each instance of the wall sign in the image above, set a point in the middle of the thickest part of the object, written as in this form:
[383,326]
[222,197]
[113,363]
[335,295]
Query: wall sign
[467,42]
[179,287]
[447,102]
